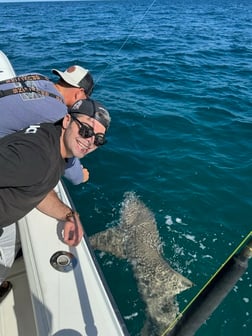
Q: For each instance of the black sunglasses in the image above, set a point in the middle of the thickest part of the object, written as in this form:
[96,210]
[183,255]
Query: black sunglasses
[86,131]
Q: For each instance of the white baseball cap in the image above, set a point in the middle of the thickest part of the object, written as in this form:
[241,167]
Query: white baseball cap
[77,76]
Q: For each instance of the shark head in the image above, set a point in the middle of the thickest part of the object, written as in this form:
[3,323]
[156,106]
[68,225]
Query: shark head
[136,239]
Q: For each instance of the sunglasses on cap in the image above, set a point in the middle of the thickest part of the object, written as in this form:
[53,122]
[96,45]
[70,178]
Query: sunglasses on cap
[86,131]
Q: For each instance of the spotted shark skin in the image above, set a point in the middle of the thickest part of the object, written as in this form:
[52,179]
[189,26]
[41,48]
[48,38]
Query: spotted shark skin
[136,239]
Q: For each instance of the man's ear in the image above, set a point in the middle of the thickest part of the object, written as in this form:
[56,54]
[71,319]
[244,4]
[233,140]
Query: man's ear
[79,94]
[66,121]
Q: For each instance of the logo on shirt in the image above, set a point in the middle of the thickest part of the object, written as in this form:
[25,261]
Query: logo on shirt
[32,129]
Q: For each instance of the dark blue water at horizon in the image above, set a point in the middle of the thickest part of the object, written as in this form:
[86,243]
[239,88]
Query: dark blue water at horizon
[176,77]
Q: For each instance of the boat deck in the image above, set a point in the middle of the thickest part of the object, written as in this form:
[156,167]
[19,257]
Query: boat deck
[19,303]
[69,302]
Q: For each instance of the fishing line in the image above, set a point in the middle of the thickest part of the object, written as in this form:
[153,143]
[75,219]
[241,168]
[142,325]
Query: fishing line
[244,241]
[125,41]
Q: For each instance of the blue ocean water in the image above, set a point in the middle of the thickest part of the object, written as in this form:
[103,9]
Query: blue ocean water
[176,77]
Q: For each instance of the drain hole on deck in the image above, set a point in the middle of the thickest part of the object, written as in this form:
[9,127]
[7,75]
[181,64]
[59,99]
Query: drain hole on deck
[63,261]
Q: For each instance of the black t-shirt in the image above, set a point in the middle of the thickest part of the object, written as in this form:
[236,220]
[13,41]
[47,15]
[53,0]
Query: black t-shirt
[30,166]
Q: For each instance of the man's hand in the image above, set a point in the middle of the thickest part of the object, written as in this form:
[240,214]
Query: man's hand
[73,231]
[85,174]
[54,207]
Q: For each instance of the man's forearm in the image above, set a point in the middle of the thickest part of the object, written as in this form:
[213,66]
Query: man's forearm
[53,206]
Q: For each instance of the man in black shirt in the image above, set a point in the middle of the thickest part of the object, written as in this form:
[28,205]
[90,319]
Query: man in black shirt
[31,164]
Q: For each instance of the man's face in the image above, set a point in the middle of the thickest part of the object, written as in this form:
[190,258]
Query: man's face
[82,135]
[73,94]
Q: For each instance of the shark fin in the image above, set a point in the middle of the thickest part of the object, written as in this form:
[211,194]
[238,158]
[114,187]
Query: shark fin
[110,241]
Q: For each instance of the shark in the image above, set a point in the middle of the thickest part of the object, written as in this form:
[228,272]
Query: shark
[136,239]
